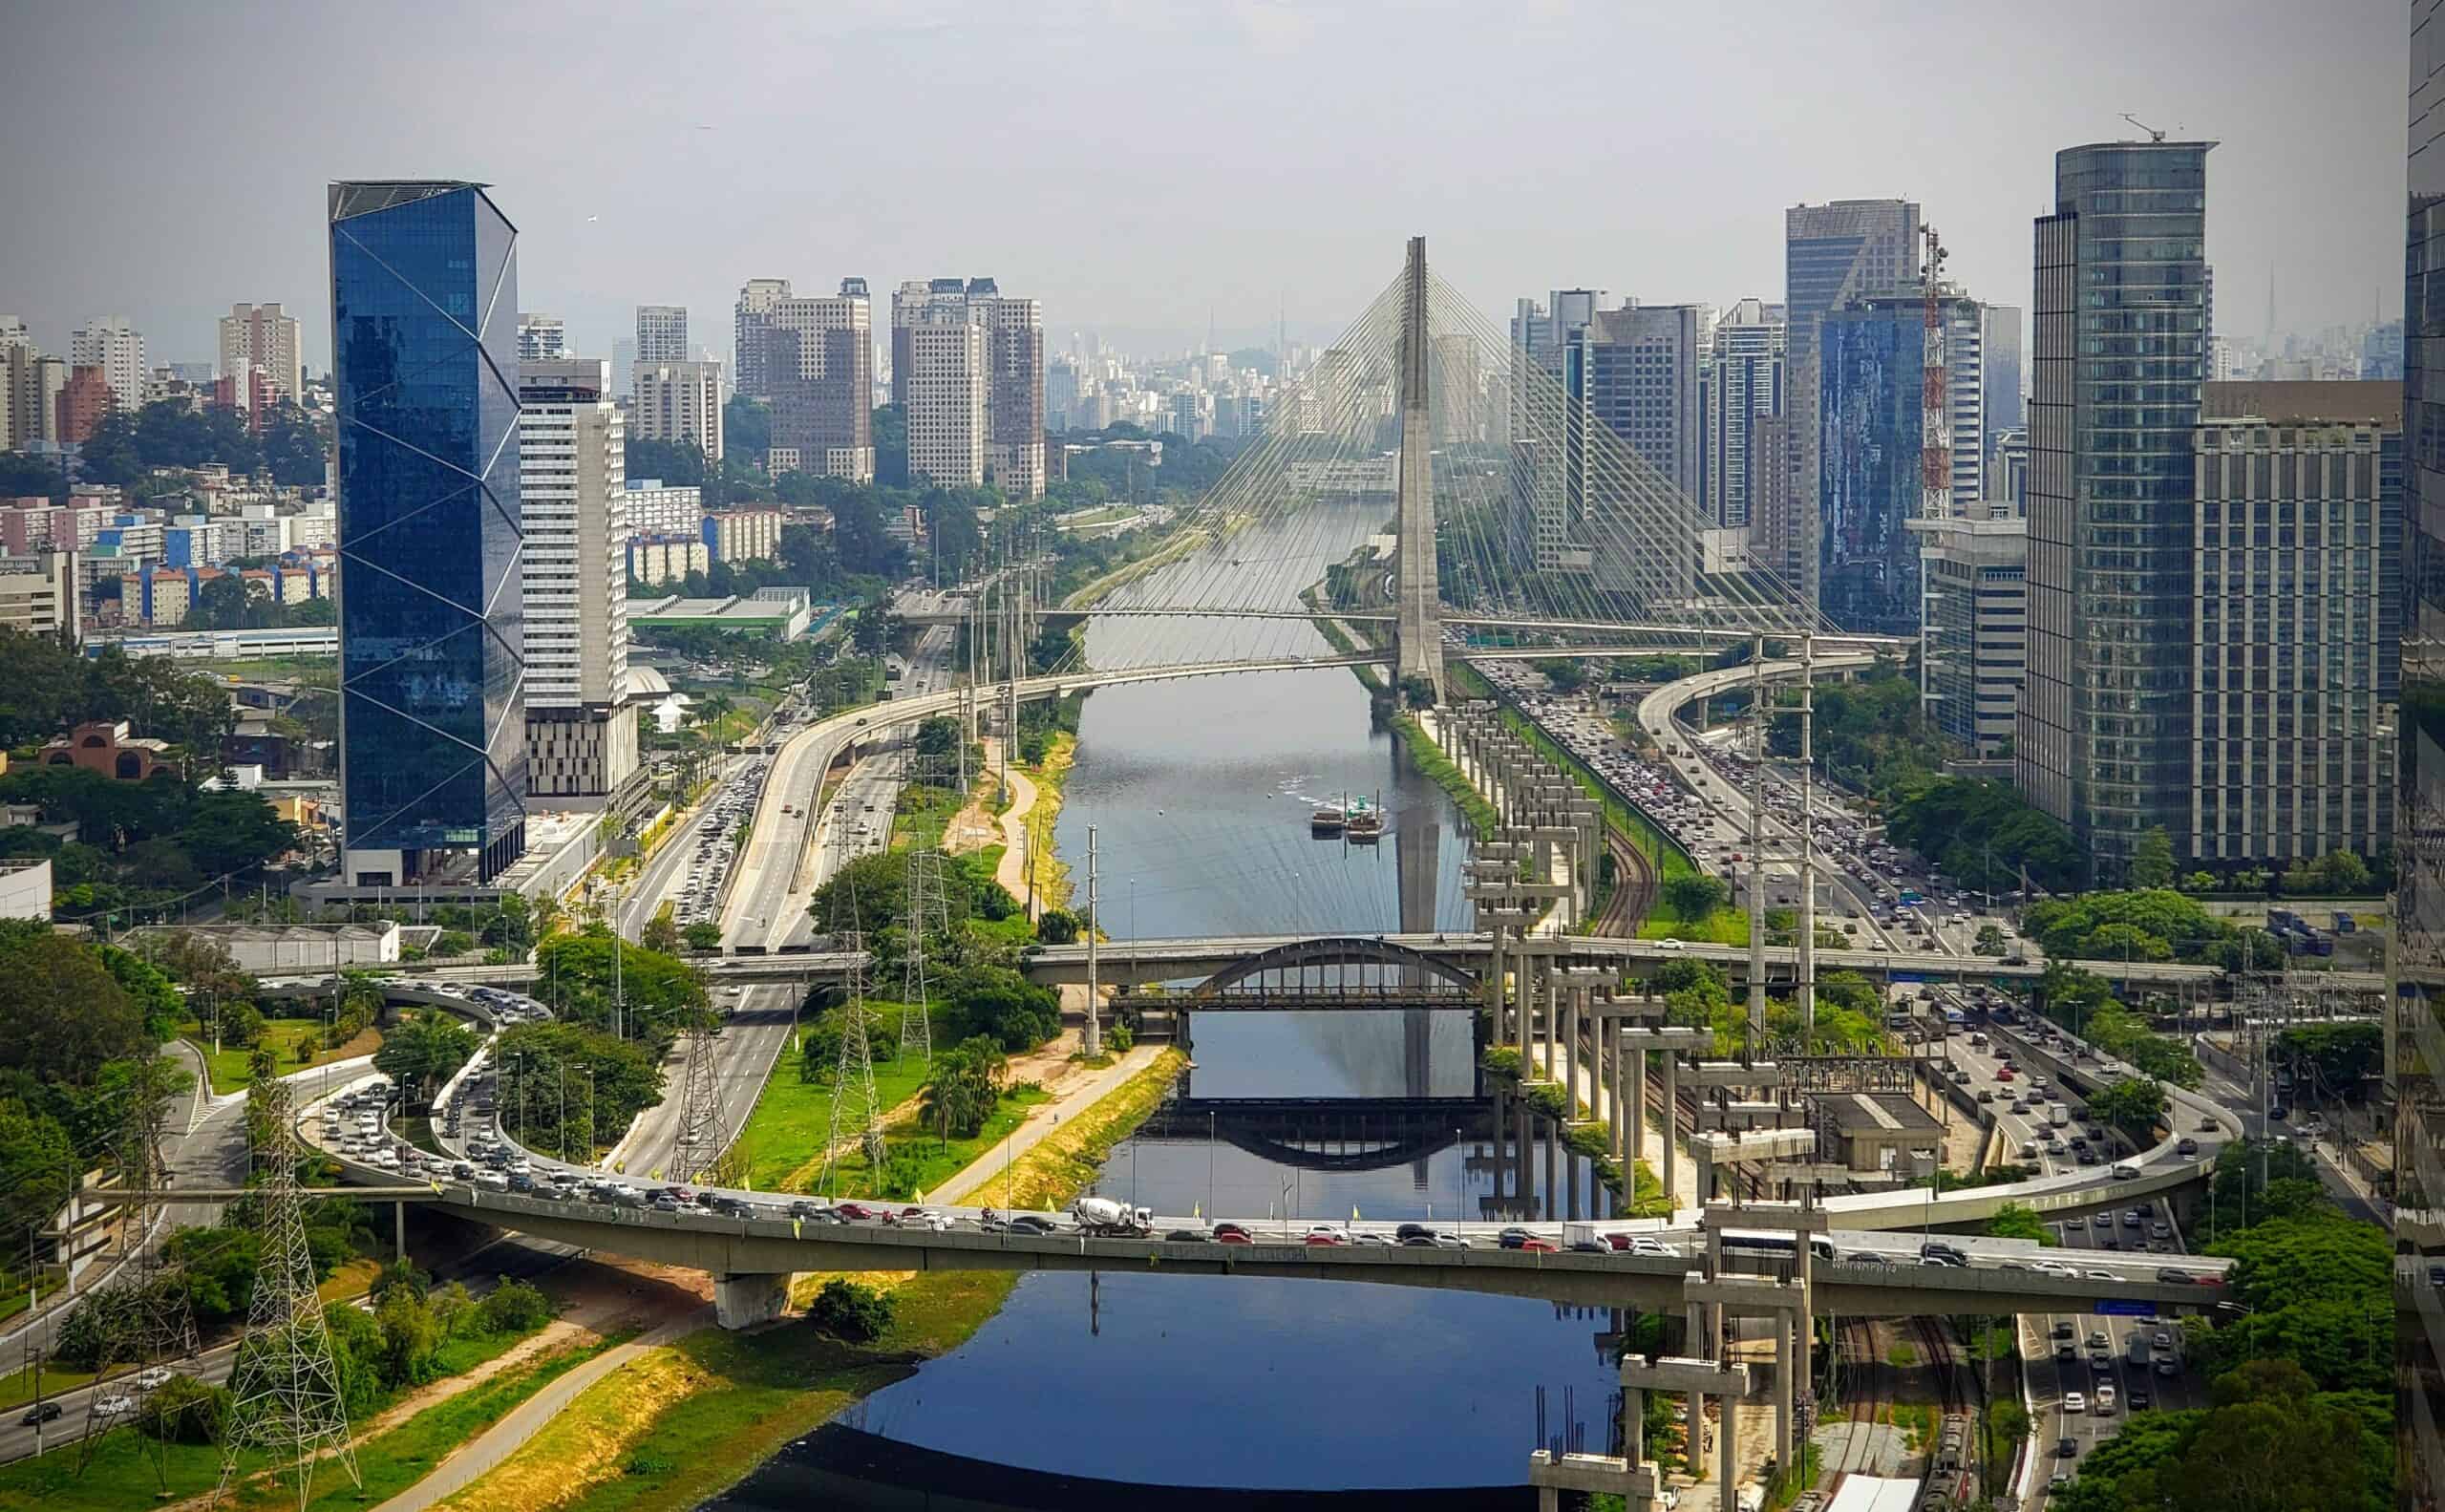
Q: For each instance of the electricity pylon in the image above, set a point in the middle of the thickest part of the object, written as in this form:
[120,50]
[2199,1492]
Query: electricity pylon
[925,913]
[856,1113]
[284,1388]
[147,1312]
[701,1135]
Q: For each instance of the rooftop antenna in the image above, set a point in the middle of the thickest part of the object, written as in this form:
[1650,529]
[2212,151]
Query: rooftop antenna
[2154,135]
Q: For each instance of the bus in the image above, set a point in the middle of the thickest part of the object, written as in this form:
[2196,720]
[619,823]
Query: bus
[1955,1018]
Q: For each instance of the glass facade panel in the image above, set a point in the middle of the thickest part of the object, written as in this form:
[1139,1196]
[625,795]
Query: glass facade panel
[424,308]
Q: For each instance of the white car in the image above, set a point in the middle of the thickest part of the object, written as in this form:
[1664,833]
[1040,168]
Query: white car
[2105,1401]
[153,1379]
[1667,943]
[114,1406]
[2074,1403]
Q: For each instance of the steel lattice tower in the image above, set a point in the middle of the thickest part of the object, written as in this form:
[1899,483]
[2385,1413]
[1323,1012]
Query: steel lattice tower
[926,910]
[855,1109]
[149,1309]
[285,1390]
[701,1140]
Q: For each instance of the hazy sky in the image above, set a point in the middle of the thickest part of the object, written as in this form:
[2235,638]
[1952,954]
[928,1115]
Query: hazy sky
[1137,162]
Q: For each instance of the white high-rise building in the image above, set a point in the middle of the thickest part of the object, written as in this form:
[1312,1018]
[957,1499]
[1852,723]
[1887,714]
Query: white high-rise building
[1742,386]
[581,731]
[113,345]
[262,338]
[680,402]
[540,338]
[13,332]
[946,386]
[662,333]
[1011,373]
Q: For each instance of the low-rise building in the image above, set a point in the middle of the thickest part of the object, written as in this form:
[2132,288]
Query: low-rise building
[25,890]
[107,746]
[38,594]
[656,559]
[268,950]
[744,535]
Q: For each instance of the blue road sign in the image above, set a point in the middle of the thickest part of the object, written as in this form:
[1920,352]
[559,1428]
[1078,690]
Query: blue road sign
[1909,976]
[2116,1307]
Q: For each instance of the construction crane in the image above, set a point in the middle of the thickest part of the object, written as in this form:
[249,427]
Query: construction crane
[1935,426]
[2154,135]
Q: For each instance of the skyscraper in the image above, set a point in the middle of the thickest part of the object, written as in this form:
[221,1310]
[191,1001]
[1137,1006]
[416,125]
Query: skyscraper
[433,725]
[541,339]
[680,402]
[1831,253]
[1638,370]
[1741,384]
[1871,407]
[812,359]
[2415,1032]
[2296,621]
[2120,348]
[1011,374]
[113,345]
[261,337]
[945,387]
[662,333]
[581,732]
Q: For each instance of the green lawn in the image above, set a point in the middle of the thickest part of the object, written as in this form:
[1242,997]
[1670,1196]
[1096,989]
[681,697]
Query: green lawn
[785,1135]
[228,1065]
[18,1389]
[120,1474]
[917,1161]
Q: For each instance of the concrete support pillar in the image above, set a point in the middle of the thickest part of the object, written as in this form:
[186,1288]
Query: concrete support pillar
[1637,1080]
[399,1231]
[1671,1126]
[1550,1499]
[1616,1106]
[742,1302]
[1547,1198]
[1571,1053]
[1726,1432]
[1783,1382]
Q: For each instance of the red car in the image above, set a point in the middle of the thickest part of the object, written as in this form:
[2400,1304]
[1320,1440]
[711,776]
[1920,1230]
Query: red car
[1227,1226]
[856,1212]
[1232,1236]
[1326,1239]
[1539,1245]
[2003,1073]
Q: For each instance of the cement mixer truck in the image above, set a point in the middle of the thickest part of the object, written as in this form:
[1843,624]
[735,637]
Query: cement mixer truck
[1105,1219]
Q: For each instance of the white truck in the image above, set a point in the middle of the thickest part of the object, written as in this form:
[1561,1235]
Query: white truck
[1105,1219]
[2058,1115]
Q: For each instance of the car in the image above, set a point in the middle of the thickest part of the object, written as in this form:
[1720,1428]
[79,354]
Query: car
[1986,1095]
[2125,1171]
[1020,1222]
[2065,1350]
[2133,1218]
[2104,1405]
[2065,1448]
[1325,1236]
[2074,1403]
[2207,1126]
[2176,1278]
[2097,1340]
[2168,1368]
[1227,1226]
[2075,1220]
[497,1181]
[1667,943]
[859,1212]
[2139,1398]
[1537,1243]
[664,1202]
[1938,1249]
[113,1405]
[2102,1275]
[47,1413]
[1514,1237]
[1231,1237]
[153,1378]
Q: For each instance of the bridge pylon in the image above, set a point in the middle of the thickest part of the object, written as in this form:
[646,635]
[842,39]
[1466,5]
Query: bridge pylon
[1417,634]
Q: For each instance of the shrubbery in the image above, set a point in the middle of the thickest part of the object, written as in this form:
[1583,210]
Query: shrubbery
[848,1311]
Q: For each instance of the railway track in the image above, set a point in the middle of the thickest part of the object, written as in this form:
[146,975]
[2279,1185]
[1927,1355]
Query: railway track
[1948,1480]
[1867,1391]
[1634,889]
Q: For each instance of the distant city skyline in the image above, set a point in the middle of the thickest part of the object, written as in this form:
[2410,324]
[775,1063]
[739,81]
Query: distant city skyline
[1110,235]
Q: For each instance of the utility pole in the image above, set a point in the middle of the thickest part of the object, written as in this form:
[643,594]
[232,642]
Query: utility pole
[1757,716]
[1095,1038]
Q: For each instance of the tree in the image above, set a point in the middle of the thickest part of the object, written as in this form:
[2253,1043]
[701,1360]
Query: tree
[938,737]
[232,831]
[963,1087]
[662,993]
[424,1049]
[2340,871]
[2152,860]
[1057,926]
[890,432]
[62,1017]
[999,1003]
[702,936]
[2131,1105]
[1989,941]
[2020,1220]
[662,933]
[1695,896]
[38,1167]
[27,476]
[851,1311]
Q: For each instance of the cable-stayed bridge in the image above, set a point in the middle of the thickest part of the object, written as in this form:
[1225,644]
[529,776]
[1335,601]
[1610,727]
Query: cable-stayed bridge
[1434,490]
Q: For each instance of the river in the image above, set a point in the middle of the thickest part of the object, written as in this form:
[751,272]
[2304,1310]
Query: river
[1085,1392]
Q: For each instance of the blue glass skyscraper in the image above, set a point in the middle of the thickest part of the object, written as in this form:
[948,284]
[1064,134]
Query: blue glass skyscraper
[424,336]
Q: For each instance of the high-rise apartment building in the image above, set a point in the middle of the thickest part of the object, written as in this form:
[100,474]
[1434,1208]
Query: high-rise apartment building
[30,384]
[945,387]
[1010,374]
[581,731]
[81,406]
[1871,407]
[2002,403]
[2121,344]
[541,339]
[1832,253]
[432,724]
[38,594]
[13,332]
[113,345]
[2415,1009]
[680,402]
[262,339]
[662,333]
[2296,621]
[812,359]
[1740,383]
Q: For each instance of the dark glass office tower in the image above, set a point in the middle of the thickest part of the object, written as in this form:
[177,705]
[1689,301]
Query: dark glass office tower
[424,336]
[2416,1038]
[2120,328]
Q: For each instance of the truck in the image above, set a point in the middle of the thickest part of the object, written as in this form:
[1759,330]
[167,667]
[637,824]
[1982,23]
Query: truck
[2058,1114]
[2138,1349]
[1102,1218]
